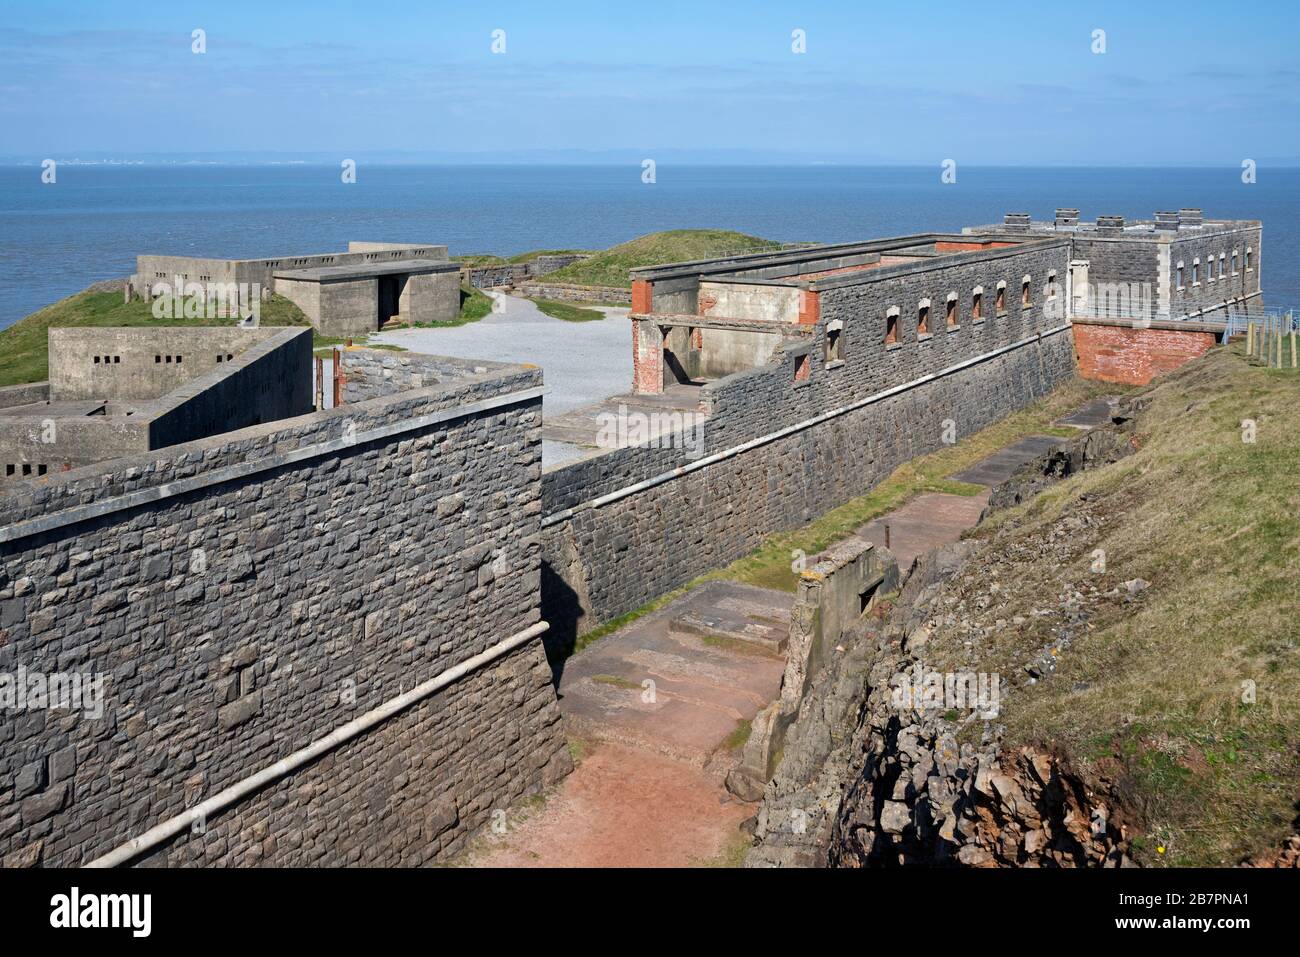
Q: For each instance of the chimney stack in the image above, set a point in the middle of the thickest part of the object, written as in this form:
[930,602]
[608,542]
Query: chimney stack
[1189,216]
[1018,222]
[1110,225]
[1166,219]
[1066,217]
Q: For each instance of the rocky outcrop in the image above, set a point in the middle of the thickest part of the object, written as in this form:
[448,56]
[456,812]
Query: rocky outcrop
[880,769]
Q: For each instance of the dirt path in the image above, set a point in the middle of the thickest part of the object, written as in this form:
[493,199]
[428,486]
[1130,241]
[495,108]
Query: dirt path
[623,807]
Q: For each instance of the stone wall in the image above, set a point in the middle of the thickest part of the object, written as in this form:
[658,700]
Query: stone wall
[1206,292]
[605,560]
[569,292]
[244,596]
[600,562]
[510,274]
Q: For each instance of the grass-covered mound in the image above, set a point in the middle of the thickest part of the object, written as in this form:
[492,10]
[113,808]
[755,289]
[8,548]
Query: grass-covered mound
[610,268]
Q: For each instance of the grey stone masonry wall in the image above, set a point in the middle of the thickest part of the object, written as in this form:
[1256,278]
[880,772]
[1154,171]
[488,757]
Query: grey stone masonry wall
[602,561]
[245,595]
[569,292]
[1209,293]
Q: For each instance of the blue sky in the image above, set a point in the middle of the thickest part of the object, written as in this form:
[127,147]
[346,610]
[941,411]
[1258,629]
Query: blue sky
[982,83]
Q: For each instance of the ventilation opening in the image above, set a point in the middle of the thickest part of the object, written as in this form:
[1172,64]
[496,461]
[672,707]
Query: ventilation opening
[867,598]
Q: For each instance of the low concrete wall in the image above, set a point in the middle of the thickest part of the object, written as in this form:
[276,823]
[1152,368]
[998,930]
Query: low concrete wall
[1134,352]
[839,587]
[25,394]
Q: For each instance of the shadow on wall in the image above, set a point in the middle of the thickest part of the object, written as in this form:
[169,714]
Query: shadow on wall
[562,610]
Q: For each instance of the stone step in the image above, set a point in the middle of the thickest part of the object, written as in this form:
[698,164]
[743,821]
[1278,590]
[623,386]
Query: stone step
[764,633]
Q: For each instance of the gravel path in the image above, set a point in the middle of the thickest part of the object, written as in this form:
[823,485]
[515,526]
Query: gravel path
[582,362]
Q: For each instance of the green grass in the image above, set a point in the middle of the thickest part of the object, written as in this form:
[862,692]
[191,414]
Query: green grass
[610,267]
[567,311]
[737,739]
[1149,695]
[24,346]
[488,259]
[616,681]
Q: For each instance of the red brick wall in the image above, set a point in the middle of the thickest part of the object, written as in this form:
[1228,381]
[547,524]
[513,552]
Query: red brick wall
[1135,356]
[809,307]
[642,295]
[952,247]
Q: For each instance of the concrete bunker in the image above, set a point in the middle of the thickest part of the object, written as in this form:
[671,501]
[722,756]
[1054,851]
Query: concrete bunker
[119,391]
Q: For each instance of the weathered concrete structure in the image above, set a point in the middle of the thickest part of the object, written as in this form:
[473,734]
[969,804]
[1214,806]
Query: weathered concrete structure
[343,293]
[353,591]
[355,300]
[116,391]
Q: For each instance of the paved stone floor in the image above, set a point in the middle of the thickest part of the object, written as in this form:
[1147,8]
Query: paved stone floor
[925,522]
[649,790]
[999,466]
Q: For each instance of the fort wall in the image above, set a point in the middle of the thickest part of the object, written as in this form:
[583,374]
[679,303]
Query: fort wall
[244,596]
[851,421]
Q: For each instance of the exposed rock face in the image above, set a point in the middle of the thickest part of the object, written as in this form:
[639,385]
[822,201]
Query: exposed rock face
[871,777]
[1092,450]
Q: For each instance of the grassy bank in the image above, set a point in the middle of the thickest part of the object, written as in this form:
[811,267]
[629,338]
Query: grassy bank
[567,311]
[1186,696]
[610,267]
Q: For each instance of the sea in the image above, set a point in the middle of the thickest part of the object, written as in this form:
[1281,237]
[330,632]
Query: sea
[91,222]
